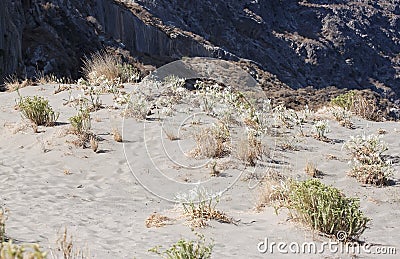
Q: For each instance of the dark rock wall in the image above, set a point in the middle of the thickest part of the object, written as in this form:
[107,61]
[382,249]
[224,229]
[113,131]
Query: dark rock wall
[119,22]
[318,43]
[53,36]
[11,24]
[352,44]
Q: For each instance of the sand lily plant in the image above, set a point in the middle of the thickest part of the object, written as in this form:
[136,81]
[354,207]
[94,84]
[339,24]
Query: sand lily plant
[199,206]
[368,163]
[320,128]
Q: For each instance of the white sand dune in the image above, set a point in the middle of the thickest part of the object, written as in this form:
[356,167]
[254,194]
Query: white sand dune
[104,198]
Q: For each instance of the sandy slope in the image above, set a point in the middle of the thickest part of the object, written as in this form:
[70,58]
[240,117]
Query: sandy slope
[103,199]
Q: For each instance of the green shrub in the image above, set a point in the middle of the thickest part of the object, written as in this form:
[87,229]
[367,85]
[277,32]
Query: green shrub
[324,208]
[14,251]
[345,100]
[8,250]
[81,122]
[184,249]
[38,110]
[357,103]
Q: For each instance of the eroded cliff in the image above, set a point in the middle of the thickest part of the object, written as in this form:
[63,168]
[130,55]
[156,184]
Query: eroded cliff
[317,43]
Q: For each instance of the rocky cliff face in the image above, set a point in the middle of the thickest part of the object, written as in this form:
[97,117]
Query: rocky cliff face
[318,43]
[353,44]
[53,36]
[11,24]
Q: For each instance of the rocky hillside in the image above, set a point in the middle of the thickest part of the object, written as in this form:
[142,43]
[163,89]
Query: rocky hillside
[318,43]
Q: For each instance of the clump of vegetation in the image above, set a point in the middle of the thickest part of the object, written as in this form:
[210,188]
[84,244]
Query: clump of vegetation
[368,163]
[320,128]
[344,101]
[250,149]
[184,249]
[117,135]
[13,83]
[288,117]
[312,171]
[65,245]
[42,78]
[212,142]
[200,206]
[156,220]
[210,95]
[3,218]
[175,89]
[10,250]
[343,117]
[137,107]
[272,187]
[104,67]
[355,102]
[37,110]
[94,95]
[170,133]
[322,207]
[80,126]
[81,122]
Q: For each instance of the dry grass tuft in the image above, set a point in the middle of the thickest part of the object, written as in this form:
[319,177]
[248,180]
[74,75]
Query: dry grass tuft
[94,144]
[65,245]
[170,134]
[312,171]
[104,66]
[12,83]
[83,139]
[200,207]
[270,189]
[212,142]
[355,102]
[199,218]
[381,131]
[117,135]
[35,128]
[101,64]
[365,108]
[156,220]
[67,172]
[43,79]
[62,88]
[214,172]
[250,149]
